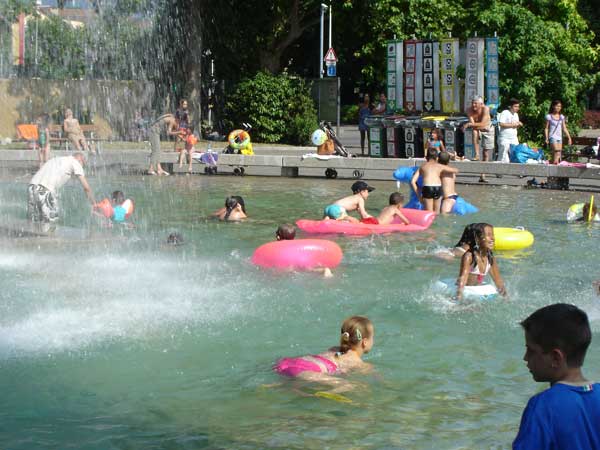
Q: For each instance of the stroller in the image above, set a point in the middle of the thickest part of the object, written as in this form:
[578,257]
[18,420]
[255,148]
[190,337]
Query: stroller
[339,148]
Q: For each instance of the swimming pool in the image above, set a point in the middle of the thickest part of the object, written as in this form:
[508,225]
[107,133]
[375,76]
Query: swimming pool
[118,341]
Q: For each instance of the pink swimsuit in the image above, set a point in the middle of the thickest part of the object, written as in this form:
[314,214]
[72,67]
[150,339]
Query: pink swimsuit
[292,367]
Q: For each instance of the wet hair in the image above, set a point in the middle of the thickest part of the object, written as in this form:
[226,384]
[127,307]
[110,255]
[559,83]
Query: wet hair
[118,197]
[553,104]
[286,232]
[230,204]
[473,241]
[467,235]
[354,330]
[444,158]
[586,212]
[432,153]
[561,326]
[175,238]
[240,201]
[396,198]
[513,101]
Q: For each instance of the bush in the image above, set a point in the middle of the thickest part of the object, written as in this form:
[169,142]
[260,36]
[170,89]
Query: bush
[278,107]
[349,114]
[591,119]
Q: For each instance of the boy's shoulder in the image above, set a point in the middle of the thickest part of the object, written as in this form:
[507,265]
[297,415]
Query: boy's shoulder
[560,394]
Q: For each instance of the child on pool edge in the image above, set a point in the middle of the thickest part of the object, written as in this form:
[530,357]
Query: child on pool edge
[356,340]
[287,232]
[479,260]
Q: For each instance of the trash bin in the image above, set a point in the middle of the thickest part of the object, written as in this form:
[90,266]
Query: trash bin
[392,126]
[377,136]
[454,136]
[410,142]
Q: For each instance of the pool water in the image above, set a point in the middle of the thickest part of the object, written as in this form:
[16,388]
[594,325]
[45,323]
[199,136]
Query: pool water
[118,341]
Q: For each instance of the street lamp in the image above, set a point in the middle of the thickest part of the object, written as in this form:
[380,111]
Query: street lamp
[323,9]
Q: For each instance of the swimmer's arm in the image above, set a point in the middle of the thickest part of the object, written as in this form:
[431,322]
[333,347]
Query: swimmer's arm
[402,217]
[413,182]
[465,264]
[361,209]
[218,212]
[449,169]
[86,188]
[498,281]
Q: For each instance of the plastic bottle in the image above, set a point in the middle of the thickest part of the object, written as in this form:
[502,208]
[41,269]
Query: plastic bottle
[209,148]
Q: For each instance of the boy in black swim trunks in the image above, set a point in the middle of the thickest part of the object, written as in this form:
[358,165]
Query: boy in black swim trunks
[431,192]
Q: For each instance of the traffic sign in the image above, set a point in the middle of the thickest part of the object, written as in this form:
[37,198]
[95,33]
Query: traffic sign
[331,70]
[330,56]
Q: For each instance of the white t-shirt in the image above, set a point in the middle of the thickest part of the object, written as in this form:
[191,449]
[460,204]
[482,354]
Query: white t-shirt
[508,134]
[56,172]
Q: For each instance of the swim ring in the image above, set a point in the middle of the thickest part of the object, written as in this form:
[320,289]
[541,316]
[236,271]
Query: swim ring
[512,238]
[482,292]
[405,174]
[301,254]
[575,213]
[238,139]
[419,221]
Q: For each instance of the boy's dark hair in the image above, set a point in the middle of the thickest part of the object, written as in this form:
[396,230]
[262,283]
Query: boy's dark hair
[396,198]
[561,326]
[513,101]
[118,197]
[444,158]
[175,238]
[241,202]
[432,153]
[286,232]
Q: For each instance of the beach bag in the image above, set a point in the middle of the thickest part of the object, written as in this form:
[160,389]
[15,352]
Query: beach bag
[328,148]
[522,152]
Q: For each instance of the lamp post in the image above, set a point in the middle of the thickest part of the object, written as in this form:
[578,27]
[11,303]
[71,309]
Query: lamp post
[323,9]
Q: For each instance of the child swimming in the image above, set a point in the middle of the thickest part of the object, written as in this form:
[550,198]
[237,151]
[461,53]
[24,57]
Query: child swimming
[356,340]
[287,232]
[354,202]
[479,260]
[394,209]
[234,209]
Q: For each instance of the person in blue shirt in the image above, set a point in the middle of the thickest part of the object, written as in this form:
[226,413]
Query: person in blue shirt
[567,415]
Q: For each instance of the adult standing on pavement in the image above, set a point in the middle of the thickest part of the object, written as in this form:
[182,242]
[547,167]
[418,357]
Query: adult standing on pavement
[364,110]
[509,122]
[381,107]
[42,192]
[169,124]
[480,122]
[556,124]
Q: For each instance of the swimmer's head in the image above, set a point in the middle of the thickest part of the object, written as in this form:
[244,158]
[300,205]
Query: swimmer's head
[285,232]
[175,238]
[396,198]
[231,203]
[240,201]
[586,212]
[432,154]
[444,158]
[483,237]
[356,331]
[118,197]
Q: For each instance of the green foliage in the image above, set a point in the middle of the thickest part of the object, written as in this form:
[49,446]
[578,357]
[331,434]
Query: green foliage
[278,107]
[349,114]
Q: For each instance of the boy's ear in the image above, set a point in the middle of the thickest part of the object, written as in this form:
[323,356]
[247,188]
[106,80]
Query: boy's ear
[559,358]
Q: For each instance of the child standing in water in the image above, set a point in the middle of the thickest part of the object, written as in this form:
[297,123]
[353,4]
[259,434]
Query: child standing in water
[356,340]
[479,260]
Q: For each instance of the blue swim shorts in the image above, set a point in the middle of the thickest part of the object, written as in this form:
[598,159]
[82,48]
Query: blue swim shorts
[334,211]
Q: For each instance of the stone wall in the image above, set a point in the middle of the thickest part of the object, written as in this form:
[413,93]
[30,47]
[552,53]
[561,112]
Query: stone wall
[111,105]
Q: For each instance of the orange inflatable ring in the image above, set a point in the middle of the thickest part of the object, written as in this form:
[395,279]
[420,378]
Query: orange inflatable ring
[238,139]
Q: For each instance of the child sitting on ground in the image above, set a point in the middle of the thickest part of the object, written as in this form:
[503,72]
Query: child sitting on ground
[567,415]
[354,202]
[356,340]
[287,232]
[479,260]
[234,209]
[394,209]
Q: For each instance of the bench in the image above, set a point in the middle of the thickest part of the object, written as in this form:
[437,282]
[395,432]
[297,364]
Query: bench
[89,131]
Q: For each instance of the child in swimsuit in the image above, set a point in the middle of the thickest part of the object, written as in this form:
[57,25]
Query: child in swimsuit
[356,340]
[394,209]
[479,260]
[431,193]
[287,232]
[435,141]
[234,209]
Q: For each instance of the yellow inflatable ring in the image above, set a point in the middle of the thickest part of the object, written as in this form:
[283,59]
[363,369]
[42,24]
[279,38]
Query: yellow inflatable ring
[512,238]
[575,213]
[238,139]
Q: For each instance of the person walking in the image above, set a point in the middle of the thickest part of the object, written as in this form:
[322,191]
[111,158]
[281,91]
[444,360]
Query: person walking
[556,125]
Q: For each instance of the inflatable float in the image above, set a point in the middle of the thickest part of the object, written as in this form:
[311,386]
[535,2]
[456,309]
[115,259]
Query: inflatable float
[116,213]
[419,221]
[512,238]
[482,292]
[300,254]
[240,140]
[575,213]
[405,174]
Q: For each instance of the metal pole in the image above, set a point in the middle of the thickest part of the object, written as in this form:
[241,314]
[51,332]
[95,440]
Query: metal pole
[330,25]
[323,9]
[210,92]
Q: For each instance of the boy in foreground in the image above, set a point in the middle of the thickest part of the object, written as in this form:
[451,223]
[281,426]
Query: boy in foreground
[567,415]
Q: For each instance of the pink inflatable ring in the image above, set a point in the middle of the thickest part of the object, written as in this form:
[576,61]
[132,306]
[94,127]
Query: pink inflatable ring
[299,254]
